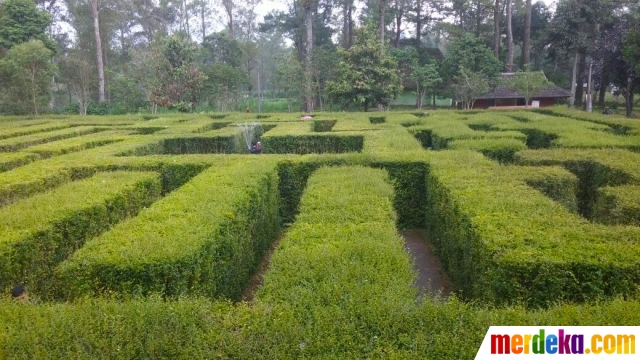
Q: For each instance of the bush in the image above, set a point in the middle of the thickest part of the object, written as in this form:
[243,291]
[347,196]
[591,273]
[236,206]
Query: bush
[236,209]
[42,231]
[618,205]
[310,144]
[500,241]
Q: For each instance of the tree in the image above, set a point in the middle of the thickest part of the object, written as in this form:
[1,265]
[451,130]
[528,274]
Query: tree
[28,69]
[79,76]
[509,66]
[469,52]
[325,61]
[427,78]
[630,66]
[526,44]
[178,80]
[308,71]
[222,85]
[469,86]
[289,78]
[528,83]
[220,48]
[21,21]
[99,61]
[366,74]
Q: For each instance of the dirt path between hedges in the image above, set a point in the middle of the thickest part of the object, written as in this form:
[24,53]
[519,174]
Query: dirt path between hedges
[257,279]
[432,279]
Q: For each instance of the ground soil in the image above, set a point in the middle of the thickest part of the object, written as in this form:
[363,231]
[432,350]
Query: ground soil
[432,280]
[257,280]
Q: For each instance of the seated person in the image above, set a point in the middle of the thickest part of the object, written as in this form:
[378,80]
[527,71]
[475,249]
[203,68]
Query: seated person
[257,148]
[19,293]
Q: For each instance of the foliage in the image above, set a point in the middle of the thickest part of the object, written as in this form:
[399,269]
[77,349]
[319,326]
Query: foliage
[219,48]
[366,75]
[27,69]
[79,76]
[223,85]
[178,81]
[469,53]
[527,83]
[20,22]
[30,248]
[220,254]
[469,86]
[289,78]
[427,79]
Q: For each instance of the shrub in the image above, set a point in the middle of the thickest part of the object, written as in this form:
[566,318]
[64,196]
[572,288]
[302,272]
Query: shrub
[309,144]
[236,209]
[43,230]
[323,125]
[618,205]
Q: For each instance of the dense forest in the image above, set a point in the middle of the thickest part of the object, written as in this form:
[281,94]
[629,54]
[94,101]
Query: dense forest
[129,56]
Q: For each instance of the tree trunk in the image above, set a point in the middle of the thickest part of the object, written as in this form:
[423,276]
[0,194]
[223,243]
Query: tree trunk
[572,99]
[399,15]
[526,44]
[350,24]
[308,20]
[629,98]
[228,8]
[345,24]
[590,88]
[99,63]
[418,21]
[185,16]
[381,22]
[202,18]
[434,101]
[604,82]
[496,29]
[509,38]
[580,78]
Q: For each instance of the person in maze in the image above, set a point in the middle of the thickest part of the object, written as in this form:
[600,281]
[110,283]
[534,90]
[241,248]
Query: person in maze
[256,148]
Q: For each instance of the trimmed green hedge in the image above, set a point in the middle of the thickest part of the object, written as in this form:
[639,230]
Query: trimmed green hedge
[28,130]
[21,142]
[200,145]
[503,242]
[377,119]
[618,205]
[10,161]
[501,150]
[43,230]
[198,328]
[343,251]
[310,144]
[323,125]
[204,238]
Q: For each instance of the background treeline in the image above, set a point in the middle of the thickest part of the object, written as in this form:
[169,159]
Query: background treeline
[117,56]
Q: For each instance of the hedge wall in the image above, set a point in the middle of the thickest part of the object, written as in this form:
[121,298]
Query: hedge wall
[503,243]
[198,328]
[42,231]
[207,237]
[343,250]
[618,205]
[309,144]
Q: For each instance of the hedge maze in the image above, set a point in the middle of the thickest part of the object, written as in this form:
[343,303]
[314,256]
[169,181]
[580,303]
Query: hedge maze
[139,234]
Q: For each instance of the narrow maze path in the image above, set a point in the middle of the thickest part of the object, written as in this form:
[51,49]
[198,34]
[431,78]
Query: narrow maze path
[432,279]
